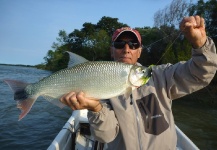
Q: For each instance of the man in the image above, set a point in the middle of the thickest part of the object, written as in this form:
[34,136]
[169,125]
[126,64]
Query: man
[145,120]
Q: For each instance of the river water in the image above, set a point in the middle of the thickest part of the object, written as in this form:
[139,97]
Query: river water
[37,130]
[44,121]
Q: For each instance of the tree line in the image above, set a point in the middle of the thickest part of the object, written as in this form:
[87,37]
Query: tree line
[162,43]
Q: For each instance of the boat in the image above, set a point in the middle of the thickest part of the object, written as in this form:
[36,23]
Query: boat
[75,135]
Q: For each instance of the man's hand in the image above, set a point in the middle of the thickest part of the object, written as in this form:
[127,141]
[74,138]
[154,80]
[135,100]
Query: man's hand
[77,101]
[193,28]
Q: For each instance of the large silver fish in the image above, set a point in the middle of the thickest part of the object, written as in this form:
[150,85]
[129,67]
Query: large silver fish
[97,79]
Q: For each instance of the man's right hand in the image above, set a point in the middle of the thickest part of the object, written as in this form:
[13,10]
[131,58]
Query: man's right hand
[78,101]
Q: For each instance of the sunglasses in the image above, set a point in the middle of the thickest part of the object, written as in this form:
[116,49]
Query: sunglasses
[121,44]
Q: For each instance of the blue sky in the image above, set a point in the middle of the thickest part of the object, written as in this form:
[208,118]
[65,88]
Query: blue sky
[29,27]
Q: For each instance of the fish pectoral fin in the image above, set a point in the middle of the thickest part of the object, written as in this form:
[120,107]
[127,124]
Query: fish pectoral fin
[128,92]
[54,101]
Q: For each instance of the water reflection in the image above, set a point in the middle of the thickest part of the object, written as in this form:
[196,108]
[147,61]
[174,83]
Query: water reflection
[198,121]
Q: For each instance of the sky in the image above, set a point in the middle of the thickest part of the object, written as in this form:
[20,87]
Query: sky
[28,28]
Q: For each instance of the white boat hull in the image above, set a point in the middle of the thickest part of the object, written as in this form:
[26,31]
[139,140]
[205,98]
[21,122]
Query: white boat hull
[75,136]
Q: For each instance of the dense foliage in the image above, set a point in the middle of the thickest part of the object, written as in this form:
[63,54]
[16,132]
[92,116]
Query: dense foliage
[208,10]
[162,43]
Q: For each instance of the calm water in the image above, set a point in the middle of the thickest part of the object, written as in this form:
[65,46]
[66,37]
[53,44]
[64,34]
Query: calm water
[41,125]
[198,122]
[44,121]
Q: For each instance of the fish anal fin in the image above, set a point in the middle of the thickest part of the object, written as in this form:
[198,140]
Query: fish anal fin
[25,106]
[54,101]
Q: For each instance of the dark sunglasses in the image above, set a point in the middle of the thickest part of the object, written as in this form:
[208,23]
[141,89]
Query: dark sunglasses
[121,44]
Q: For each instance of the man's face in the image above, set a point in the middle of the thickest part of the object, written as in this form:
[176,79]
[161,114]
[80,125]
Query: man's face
[126,54]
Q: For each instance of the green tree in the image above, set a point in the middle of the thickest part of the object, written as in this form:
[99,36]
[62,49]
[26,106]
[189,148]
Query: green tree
[88,28]
[92,42]
[172,14]
[157,42]
[97,46]
[208,10]
[167,20]
[153,45]
[178,51]
[57,59]
[109,24]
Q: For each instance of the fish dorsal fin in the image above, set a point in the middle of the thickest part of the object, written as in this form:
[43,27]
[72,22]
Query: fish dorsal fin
[75,59]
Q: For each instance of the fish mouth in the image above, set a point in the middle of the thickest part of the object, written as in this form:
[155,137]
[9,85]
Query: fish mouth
[145,80]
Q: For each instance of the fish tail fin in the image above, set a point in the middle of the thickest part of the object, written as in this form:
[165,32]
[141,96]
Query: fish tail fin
[25,106]
[24,102]
[16,85]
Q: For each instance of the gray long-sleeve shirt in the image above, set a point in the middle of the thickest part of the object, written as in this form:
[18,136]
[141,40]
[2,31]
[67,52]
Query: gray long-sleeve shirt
[145,121]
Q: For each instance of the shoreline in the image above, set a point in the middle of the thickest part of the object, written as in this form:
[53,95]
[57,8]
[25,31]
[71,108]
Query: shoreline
[17,65]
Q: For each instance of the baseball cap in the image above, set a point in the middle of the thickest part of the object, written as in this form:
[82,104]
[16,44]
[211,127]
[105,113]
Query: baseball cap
[118,32]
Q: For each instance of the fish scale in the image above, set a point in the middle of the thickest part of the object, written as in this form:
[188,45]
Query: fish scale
[97,79]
